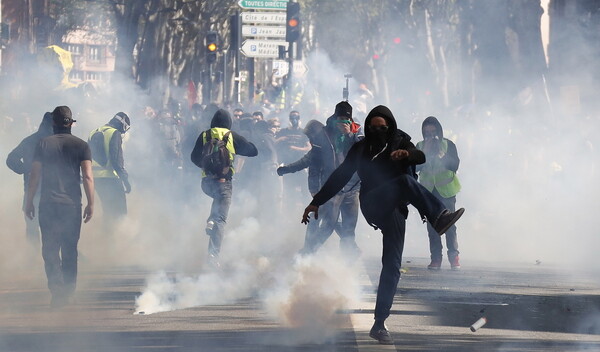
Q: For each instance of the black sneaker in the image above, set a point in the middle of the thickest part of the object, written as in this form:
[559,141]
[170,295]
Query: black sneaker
[382,335]
[446,220]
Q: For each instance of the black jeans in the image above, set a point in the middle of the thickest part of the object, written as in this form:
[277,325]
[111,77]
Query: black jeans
[385,207]
[112,196]
[435,240]
[393,231]
[220,191]
[61,227]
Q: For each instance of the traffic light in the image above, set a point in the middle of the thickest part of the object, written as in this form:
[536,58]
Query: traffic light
[212,45]
[292,27]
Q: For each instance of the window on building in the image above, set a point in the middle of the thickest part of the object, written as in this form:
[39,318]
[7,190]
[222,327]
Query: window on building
[74,48]
[76,75]
[93,76]
[95,55]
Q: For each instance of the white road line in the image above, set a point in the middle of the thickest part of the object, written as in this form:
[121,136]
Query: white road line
[362,322]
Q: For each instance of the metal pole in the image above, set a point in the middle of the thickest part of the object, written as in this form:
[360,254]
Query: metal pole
[251,80]
[224,78]
[290,75]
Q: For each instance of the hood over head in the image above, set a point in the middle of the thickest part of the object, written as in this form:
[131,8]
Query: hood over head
[431,120]
[313,127]
[386,113]
[121,122]
[46,125]
[222,119]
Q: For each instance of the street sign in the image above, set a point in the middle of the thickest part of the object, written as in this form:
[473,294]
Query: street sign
[263,4]
[281,68]
[263,31]
[264,17]
[300,68]
[262,48]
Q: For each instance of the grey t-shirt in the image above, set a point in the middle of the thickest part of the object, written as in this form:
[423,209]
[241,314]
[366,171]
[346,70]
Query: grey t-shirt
[61,156]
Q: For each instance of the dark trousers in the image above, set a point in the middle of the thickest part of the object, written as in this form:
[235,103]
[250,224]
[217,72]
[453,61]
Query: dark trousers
[435,240]
[112,196]
[385,207]
[61,226]
[393,230]
[220,192]
[344,204]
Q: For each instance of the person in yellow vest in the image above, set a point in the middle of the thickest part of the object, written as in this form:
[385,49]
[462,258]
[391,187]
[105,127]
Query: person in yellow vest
[438,175]
[108,167]
[217,183]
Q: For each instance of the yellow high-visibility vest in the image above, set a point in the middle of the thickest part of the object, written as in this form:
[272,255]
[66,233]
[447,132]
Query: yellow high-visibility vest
[107,170]
[434,175]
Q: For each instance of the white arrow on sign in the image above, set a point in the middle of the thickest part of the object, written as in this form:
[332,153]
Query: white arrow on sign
[281,68]
[263,31]
[262,48]
[264,17]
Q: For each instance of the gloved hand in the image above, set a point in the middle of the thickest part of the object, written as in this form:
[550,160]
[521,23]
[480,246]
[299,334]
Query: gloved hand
[282,170]
[127,186]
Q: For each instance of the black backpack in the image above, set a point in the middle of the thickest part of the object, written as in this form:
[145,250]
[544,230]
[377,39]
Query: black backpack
[215,158]
[96,144]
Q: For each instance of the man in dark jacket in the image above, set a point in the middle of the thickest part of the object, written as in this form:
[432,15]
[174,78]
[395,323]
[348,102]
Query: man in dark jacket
[330,144]
[111,178]
[438,175]
[19,160]
[219,186]
[383,161]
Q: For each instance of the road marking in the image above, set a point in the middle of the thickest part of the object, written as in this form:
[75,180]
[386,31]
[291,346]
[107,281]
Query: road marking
[362,320]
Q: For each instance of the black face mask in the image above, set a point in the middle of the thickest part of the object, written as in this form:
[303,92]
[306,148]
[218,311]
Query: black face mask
[378,136]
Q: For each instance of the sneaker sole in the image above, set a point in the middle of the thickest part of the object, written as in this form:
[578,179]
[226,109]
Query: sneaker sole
[434,268]
[381,342]
[457,216]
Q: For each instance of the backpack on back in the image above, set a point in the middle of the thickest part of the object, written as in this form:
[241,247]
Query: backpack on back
[96,143]
[216,158]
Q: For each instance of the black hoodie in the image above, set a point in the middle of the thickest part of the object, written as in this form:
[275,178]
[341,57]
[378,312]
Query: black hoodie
[375,168]
[19,159]
[450,160]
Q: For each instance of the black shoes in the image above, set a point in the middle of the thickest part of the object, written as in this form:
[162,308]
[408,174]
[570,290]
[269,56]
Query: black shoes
[447,219]
[382,335]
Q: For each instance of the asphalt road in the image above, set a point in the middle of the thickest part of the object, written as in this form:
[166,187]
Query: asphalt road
[528,307]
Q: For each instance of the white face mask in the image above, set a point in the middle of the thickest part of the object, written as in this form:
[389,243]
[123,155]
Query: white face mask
[126,126]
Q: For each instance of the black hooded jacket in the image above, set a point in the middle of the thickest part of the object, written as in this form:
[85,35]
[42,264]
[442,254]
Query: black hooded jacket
[222,119]
[376,170]
[19,159]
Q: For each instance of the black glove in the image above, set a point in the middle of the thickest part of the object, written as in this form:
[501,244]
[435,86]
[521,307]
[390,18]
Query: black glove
[127,186]
[282,170]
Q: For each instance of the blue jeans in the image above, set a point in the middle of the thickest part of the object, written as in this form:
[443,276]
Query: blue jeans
[220,191]
[61,227]
[344,204]
[435,240]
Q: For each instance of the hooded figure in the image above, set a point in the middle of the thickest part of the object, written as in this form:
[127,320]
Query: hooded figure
[438,175]
[219,187]
[384,161]
[330,145]
[19,160]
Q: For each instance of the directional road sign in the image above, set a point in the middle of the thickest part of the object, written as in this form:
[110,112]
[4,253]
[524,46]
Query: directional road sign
[264,17]
[263,31]
[262,48]
[281,68]
[263,4]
